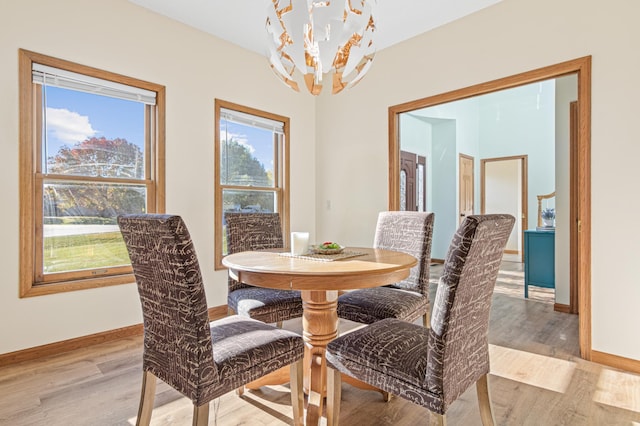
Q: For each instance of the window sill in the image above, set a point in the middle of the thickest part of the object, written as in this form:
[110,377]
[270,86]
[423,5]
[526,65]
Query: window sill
[32,290]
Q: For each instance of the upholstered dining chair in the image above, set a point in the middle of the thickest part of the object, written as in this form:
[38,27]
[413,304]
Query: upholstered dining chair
[258,231]
[433,367]
[202,360]
[409,232]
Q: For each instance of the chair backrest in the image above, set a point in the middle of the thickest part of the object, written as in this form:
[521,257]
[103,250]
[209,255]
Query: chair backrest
[412,233]
[458,353]
[252,231]
[177,338]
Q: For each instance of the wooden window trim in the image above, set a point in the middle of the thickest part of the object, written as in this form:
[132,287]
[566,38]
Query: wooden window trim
[31,229]
[281,172]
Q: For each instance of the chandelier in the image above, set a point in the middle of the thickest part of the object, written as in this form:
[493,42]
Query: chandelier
[323,40]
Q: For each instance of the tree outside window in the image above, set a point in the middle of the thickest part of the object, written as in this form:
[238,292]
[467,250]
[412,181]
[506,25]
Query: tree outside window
[252,158]
[92,155]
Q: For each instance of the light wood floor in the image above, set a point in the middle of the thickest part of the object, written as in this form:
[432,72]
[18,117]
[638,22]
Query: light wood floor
[537,379]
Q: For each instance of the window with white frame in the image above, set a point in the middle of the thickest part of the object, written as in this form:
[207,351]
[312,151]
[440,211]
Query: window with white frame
[252,165]
[91,149]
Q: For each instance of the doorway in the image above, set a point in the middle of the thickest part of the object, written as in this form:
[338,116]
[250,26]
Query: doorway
[413,182]
[504,189]
[579,192]
[466,186]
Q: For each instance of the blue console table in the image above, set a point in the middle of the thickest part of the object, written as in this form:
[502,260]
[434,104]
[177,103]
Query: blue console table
[539,259]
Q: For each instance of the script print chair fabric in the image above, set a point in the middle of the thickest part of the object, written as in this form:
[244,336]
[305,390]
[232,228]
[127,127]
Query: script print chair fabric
[433,366]
[259,231]
[202,360]
[408,232]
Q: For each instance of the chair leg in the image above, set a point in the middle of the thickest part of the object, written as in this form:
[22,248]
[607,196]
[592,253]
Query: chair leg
[240,391]
[279,324]
[147,396]
[484,401]
[201,415]
[437,419]
[297,394]
[426,320]
[334,394]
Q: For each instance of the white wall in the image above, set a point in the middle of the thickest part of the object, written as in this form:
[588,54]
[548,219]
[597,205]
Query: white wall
[566,92]
[510,37]
[521,121]
[506,123]
[415,134]
[445,185]
[118,36]
[503,185]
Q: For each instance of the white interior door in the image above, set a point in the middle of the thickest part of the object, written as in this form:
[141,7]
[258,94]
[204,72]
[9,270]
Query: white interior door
[504,190]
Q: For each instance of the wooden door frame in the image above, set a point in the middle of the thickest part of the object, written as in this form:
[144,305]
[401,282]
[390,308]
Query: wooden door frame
[574,220]
[462,156]
[524,191]
[581,197]
[422,160]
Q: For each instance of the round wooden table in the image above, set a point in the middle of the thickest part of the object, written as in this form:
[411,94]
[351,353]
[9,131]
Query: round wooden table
[319,282]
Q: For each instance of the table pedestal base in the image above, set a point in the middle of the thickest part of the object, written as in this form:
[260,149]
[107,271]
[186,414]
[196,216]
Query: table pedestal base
[281,377]
[319,327]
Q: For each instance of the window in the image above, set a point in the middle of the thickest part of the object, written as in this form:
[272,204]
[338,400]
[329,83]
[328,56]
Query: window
[252,166]
[91,148]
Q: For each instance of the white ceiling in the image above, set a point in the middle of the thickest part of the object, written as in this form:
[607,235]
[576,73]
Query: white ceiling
[242,22]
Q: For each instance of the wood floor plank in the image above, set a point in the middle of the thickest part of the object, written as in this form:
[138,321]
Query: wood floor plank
[537,379]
